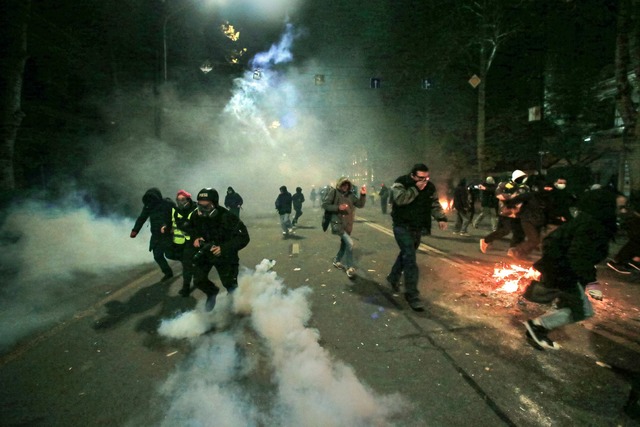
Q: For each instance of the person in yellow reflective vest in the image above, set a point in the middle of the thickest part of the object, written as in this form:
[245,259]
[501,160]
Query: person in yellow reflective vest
[183,247]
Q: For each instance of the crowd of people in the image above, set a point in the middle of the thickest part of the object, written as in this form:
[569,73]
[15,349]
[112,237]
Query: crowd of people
[572,233]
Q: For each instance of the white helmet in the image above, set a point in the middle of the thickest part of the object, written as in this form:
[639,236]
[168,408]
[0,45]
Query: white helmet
[517,174]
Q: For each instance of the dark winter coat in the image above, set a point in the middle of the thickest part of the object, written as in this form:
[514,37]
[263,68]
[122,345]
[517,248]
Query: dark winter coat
[283,202]
[222,228]
[232,200]
[570,253]
[557,206]
[573,249]
[298,200]
[158,211]
[413,208]
[488,196]
[462,198]
[384,192]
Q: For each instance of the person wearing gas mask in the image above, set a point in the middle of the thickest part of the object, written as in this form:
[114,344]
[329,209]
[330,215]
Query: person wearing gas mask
[218,236]
[158,211]
[183,247]
[508,209]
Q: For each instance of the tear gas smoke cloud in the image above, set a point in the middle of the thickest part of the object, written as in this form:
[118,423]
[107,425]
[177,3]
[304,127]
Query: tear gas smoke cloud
[44,248]
[222,379]
[278,130]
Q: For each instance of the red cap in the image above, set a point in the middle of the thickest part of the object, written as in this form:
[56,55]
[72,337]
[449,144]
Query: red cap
[183,193]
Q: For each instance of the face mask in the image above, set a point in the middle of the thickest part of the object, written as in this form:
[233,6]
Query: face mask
[183,204]
[560,186]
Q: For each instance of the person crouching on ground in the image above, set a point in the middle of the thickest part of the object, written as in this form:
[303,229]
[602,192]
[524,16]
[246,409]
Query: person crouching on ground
[568,262]
[218,235]
[341,202]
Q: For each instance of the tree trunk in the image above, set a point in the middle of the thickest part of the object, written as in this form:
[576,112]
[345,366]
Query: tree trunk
[13,32]
[480,130]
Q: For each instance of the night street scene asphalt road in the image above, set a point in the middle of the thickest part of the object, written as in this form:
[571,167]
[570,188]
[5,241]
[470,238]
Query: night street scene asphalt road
[302,344]
[104,102]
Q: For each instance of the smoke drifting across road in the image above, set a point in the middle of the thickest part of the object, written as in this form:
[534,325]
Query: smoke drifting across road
[44,249]
[266,367]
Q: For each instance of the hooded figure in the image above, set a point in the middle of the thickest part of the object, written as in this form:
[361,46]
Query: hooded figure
[158,211]
[233,201]
[568,262]
[283,206]
[341,202]
[297,200]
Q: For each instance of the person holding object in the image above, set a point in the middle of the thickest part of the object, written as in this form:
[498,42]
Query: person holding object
[341,203]
[415,201]
[218,236]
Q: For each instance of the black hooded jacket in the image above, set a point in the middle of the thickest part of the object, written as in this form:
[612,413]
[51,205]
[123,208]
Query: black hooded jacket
[223,229]
[158,211]
[571,252]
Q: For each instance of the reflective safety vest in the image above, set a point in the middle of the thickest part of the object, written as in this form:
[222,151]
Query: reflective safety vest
[179,236]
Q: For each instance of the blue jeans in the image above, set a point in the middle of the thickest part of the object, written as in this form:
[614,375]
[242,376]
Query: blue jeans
[346,250]
[565,315]
[408,241]
[285,222]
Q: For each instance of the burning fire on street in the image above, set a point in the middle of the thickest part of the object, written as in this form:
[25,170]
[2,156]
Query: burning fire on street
[512,278]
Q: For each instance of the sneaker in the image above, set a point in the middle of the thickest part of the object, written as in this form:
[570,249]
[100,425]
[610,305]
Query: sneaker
[351,272]
[594,291]
[211,302]
[394,285]
[167,276]
[416,304]
[464,233]
[290,231]
[538,334]
[484,246]
[635,265]
[185,291]
[512,253]
[338,264]
[619,267]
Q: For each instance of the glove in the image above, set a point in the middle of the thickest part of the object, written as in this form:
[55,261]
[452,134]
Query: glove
[133,234]
[594,291]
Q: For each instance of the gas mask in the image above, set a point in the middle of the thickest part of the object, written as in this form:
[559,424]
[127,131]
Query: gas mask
[182,204]
[205,210]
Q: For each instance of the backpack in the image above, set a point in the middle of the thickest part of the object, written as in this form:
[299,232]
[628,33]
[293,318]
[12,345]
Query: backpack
[326,216]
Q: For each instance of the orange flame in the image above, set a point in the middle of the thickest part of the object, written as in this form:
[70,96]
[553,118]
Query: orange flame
[511,276]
